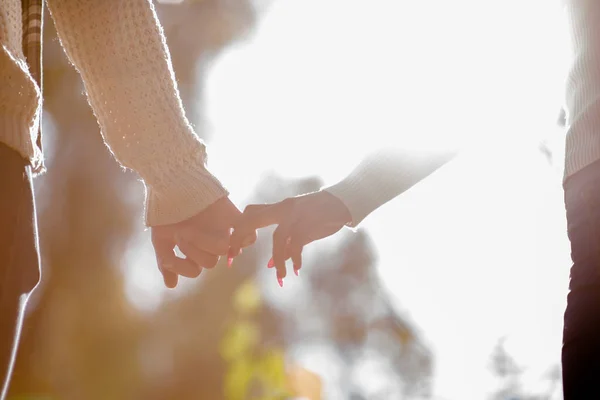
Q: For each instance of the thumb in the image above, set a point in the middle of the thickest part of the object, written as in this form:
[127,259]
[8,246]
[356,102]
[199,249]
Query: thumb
[238,242]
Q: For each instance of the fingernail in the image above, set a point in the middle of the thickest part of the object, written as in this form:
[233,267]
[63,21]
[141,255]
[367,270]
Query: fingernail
[280,281]
[296,271]
[271,263]
[229,262]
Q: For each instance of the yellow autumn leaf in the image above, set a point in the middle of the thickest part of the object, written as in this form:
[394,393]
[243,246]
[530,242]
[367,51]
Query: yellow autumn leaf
[237,379]
[270,370]
[247,298]
[239,339]
[304,383]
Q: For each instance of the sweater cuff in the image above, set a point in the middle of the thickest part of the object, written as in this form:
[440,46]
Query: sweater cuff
[20,134]
[359,201]
[181,192]
[377,179]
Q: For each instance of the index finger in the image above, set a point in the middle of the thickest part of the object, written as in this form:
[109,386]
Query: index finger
[253,219]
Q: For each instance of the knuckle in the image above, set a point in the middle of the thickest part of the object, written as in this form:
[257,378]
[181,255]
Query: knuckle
[211,262]
[196,273]
[278,235]
[219,248]
[295,241]
[298,244]
[222,250]
[238,223]
[240,235]
[288,202]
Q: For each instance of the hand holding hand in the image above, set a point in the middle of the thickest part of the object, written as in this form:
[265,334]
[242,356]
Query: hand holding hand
[300,220]
[202,238]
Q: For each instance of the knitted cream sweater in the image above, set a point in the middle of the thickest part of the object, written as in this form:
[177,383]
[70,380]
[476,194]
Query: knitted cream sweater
[120,51]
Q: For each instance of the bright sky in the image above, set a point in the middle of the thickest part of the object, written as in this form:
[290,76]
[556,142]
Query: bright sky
[479,250]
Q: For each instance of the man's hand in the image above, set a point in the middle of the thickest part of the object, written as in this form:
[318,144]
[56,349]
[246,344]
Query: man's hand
[301,220]
[202,238]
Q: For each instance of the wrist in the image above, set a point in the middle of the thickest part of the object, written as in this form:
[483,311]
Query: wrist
[180,191]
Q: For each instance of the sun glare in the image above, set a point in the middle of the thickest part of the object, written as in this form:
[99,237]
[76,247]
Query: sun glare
[321,82]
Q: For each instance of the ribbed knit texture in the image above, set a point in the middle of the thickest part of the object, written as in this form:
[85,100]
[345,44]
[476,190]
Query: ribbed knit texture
[120,51]
[383,175]
[582,103]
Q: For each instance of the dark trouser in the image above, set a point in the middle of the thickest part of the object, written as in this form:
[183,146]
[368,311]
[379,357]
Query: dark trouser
[581,336]
[19,256]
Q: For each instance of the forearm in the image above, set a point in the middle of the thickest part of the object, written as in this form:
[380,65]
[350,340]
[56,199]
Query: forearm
[383,175]
[120,51]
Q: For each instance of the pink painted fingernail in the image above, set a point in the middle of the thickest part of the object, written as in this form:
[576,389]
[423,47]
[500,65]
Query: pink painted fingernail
[229,262]
[296,271]
[280,281]
[271,263]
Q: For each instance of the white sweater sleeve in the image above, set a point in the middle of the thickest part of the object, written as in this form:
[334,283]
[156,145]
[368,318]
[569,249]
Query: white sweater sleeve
[120,51]
[582,103]
[383,175]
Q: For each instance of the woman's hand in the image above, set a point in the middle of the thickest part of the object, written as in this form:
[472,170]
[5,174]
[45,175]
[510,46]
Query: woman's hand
[300,220]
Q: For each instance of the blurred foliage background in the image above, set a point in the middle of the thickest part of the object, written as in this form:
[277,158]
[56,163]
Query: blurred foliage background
[221,339]
[224,335]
